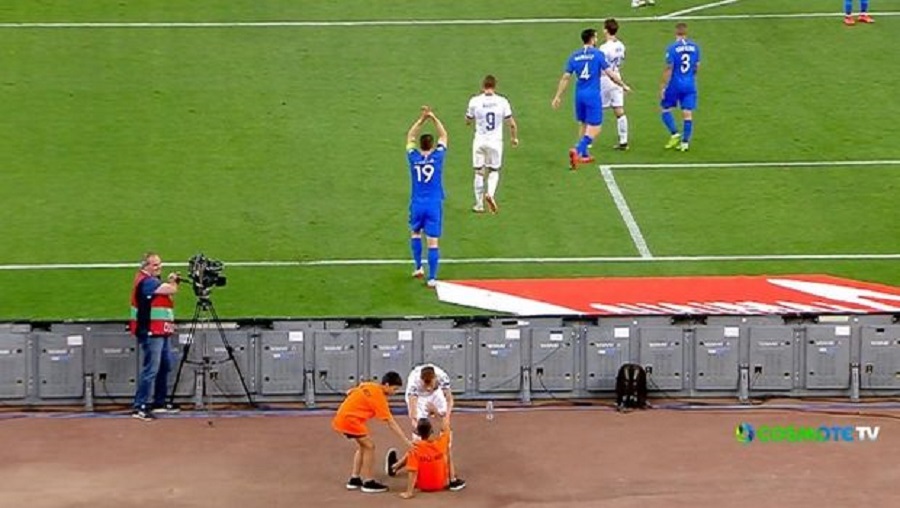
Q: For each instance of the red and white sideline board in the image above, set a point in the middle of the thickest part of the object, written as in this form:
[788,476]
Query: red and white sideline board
[734,295]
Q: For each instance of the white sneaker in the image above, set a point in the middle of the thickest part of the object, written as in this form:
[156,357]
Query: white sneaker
[432,283]
[478,209]
[418,274]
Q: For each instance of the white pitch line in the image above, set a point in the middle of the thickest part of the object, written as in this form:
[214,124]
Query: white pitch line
[411,22]
[480,261]
[633,229]
[739,165]
[697,8]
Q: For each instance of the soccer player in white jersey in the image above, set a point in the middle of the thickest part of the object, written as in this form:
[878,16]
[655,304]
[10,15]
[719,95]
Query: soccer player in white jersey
[611,94]
[489,110]
[428,386]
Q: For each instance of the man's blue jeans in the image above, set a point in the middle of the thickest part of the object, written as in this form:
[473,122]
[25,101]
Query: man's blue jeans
[156,362]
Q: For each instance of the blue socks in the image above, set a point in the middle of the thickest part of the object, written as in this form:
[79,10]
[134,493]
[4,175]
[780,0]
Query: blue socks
[669,120]
[434,255]
[863,6]
[582,147]
[416,245]
[688,130]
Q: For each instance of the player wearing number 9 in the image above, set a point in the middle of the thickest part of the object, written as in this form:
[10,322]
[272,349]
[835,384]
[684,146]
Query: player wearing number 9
[679,87]
[426,168]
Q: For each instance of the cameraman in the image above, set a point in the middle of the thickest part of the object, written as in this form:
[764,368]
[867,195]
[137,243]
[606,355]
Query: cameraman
[152,323]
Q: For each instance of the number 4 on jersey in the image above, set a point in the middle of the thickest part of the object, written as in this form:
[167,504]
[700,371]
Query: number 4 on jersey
[585,72]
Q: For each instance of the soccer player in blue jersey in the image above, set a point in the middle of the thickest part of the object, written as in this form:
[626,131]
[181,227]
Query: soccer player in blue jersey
[587,64]
[679,87]
[426,168]
[863,12]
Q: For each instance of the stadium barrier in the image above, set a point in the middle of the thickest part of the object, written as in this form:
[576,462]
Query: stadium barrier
[518,359]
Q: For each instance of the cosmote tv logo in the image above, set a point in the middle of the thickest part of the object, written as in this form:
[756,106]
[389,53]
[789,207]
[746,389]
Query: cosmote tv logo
[746,433]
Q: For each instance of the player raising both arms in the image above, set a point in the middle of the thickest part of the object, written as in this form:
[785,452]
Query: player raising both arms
[587,63]
[426,168]
[612,95]
[679,87]
[863,12]
[489,110]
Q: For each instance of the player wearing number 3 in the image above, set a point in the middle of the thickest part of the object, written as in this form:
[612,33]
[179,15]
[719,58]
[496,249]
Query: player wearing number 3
[426,168]
[679,87]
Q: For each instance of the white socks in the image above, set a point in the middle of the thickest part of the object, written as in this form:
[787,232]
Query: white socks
[479,189]
[622,126]
[493,181]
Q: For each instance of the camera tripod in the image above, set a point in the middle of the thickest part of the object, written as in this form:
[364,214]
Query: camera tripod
[205,313]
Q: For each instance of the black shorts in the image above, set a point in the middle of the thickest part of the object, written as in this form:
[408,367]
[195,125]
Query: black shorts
[353,436]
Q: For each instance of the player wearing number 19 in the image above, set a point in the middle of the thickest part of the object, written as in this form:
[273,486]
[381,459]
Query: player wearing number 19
[426,167]
[587,64]
[679,87]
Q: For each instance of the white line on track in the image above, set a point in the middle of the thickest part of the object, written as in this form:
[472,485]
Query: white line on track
[619,199]
[412,22]
[481,261]
[696,8]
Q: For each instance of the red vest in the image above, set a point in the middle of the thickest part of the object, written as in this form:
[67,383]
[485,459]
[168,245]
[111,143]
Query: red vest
[158,320]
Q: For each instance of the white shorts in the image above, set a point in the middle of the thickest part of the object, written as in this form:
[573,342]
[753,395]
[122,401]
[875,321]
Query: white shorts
[435,398]
[612,96]
[487,154]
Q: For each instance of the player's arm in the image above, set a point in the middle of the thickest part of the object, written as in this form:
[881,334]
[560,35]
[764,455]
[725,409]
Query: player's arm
[560,89]
[413,402]
[666,76]
[442,132]
[413,132]
[514,138]
[470,115]
[410,485]
[614,76]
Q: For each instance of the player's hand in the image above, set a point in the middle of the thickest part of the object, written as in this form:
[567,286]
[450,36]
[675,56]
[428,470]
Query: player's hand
[426,111]
[555,103]
[626,88]
[406,495]
[174,278]
[515,142]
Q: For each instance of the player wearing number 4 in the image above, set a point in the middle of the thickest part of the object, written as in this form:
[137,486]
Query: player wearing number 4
[426,167]
[587,64]
[679,87]
[488,109]
[863,12]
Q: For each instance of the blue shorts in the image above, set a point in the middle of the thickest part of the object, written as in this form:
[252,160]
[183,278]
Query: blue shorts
[685,99]
[588,110]
[425,217]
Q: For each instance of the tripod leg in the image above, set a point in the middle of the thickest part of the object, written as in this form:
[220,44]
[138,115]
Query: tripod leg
[230,350]
[185,352]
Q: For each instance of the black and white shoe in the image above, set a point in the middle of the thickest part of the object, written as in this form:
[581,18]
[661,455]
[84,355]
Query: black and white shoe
[456,484]
[373,487]
[389,461]
[142,413]
[354,483]
[623,147]
[167,409]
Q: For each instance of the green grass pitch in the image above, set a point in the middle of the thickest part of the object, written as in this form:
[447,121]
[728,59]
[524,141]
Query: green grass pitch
[285,143]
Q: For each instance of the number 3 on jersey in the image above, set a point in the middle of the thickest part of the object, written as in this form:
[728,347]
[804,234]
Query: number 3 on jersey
[585,72]
[424,172]
[685,63]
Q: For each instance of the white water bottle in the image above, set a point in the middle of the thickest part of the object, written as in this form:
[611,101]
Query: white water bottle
[490,410]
